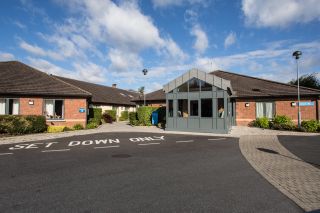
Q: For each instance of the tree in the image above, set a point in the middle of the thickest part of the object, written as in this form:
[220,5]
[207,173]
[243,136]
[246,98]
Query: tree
[141,90]
[308,80]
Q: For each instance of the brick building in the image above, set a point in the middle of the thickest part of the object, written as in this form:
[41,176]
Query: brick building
[64,102]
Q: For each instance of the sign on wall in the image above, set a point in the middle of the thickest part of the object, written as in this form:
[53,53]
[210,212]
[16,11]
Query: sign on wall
[82,110]
[306,103]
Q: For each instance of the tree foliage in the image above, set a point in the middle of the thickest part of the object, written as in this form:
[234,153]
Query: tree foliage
[308,80]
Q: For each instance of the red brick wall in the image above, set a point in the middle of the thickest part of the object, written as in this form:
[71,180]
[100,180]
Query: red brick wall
[244,115]
[35,109]
[72,115]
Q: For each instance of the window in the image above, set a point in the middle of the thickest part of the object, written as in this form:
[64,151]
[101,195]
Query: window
[170,108]
[206,108]
[194,108]
[220,108]
[194,85]
[183,87]
[183,108]
[9,106]
[264,109]
[205,86]
[54,109]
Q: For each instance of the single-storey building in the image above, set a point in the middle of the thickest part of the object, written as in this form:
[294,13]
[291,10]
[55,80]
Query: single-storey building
[106,98]
[244,100]
[65,102]
[154,99]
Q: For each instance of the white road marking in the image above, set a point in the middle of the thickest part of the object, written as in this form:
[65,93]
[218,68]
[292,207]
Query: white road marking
[56,150]
[189,141]
[216,139]
[105,147]
[145,144]
[9,153]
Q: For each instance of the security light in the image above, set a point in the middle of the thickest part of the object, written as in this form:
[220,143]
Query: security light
[297,54]
[144,71]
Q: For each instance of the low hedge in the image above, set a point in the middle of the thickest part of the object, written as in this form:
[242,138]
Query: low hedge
[282,122]
[112,113]
[78,127]
[19,124]
[262,122]
[133,118]
[55,129]
[124,116]
[310,126]
[144,115]
[107,118]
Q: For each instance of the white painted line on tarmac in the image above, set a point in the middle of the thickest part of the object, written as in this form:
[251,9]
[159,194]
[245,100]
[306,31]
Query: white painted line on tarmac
[216,139]
[56,150]
[9,153]
[189,141]
[146,144]
[105,147]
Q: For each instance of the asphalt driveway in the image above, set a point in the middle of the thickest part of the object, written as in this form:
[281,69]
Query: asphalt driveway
[305,147]
[134,172]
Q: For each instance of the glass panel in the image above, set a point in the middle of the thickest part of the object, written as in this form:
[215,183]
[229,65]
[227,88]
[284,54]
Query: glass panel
[2,106]
[48,112]
[206,108]
[269,110]
[194,85]
[259,109]
[194,108]
[58,109]
[13,106]
[220,107]
[205,86]
[183,88]
[183,108]
[170,108]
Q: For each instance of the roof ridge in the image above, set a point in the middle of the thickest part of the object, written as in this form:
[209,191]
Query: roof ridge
[53,76]
[276,82]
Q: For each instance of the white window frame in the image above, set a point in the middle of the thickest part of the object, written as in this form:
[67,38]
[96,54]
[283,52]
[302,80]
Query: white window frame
[54,102]
[264,108]
[7,102]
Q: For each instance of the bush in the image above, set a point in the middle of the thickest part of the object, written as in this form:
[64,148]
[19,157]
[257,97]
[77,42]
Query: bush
[18,124]
[262,122]
[54,129]
[107,118]
[78,127]
[92,125]
[133,118]
[144,115]
[282,122]
[124,116]
[112,113]
[310,125]
[67,129]
[95,114]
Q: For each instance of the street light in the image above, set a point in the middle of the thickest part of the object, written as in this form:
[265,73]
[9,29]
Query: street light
[144,71]
[297,55]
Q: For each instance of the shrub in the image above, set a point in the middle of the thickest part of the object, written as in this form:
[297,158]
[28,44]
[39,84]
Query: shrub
[124,116]
[78,127]
[112,113]
[92,125]
[18,124]
[133,118]
[262,122]
[144,115]
[54,129]
[95,114]
[107,118]
[67,129]
[310,125]
[282,122]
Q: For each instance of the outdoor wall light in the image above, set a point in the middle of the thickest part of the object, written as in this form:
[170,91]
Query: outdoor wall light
[293,104]
[31,102]
[246,104]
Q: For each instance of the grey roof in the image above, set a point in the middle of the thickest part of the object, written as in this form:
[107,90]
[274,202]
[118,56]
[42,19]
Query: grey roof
[158,95]
[17,78]
[104,94]
[247,86]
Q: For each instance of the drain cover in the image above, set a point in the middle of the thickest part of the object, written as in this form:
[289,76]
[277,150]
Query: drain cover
[121,156]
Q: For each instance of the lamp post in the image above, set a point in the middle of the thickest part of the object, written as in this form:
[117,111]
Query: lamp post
[144,71]
[297,55]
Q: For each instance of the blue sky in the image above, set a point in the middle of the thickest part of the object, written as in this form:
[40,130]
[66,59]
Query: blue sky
[109,42]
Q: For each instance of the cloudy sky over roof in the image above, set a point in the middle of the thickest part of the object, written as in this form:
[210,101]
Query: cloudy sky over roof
[109,42]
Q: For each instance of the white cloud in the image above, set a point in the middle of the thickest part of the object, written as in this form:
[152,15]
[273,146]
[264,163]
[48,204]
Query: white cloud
[48,67]
[230,40]
[124,61]
[6,56]
[275,13]
[36,50]
[20,25]
[168,3]
[201,42]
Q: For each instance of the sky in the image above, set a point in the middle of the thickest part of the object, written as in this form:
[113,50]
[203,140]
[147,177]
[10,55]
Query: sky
[106,42]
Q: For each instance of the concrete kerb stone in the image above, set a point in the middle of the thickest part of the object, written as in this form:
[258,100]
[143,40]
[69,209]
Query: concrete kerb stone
[292,176]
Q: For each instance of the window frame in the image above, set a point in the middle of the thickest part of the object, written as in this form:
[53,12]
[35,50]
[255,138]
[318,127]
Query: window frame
[193,116]
[7,102]
[210,100]
[172,115]
[54,105]
[264,108]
